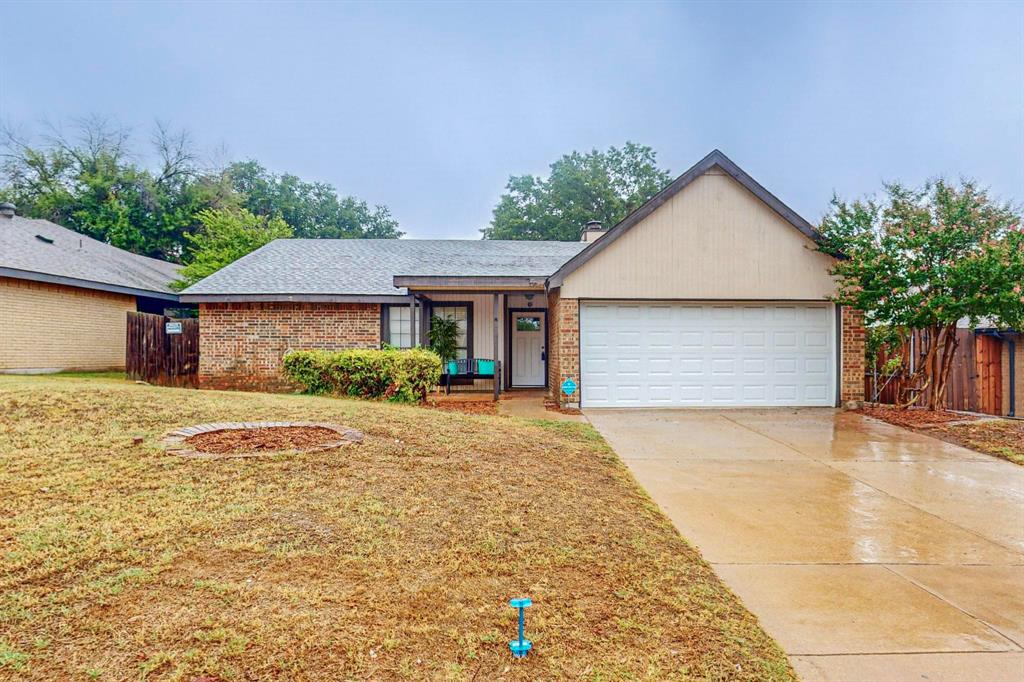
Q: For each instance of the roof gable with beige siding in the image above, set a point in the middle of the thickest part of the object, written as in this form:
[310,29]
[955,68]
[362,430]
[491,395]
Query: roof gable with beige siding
[713,239]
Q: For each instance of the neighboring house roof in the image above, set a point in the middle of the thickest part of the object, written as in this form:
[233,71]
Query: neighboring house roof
[712,160]
[984,323]
[333,269]
[46,252]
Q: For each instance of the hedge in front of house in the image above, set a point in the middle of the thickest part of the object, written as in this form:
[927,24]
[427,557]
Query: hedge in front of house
[402,376]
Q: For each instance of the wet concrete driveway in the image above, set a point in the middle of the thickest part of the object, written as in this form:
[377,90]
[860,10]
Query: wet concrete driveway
[868,552]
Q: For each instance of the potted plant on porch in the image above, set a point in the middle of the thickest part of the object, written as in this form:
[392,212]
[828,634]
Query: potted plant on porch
[444,334]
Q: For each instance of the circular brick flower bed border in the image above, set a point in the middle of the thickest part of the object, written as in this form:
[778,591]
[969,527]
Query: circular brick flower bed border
[175,441]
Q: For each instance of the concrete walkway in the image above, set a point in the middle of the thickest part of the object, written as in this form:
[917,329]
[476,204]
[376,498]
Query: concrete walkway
[868,552]
[529,404]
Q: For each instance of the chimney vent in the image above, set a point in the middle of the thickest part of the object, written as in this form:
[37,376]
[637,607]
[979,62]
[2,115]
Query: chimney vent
[7,210]
[592,231]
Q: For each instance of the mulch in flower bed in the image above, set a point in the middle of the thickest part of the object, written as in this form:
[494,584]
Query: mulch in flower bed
[265,439]
[914,418]
[1000,437]
[464,406]
[990,435]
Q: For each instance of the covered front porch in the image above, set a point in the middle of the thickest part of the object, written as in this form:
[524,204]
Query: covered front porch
[503,334]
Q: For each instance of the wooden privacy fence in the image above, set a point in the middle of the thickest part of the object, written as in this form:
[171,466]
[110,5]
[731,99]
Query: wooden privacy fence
[975,377]
[154,356]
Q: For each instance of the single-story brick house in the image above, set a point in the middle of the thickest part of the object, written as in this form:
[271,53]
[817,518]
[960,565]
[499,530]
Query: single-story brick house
[64,296]
[711,293]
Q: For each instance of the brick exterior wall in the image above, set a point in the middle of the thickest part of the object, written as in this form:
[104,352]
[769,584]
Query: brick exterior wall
[564,346]
[47,327]
[241,344]
[851,387]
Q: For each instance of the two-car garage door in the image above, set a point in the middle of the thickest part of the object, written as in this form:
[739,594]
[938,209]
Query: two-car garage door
[707,354]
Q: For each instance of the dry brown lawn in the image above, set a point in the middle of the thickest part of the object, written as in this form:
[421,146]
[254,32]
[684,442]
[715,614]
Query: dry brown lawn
[391,559]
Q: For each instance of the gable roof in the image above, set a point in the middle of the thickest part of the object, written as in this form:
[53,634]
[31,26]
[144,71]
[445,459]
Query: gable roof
[366,269]
[46,252]
[715,159]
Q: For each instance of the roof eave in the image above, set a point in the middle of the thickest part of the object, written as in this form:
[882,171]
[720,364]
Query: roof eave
[34,276]
[469,282]
[294,298]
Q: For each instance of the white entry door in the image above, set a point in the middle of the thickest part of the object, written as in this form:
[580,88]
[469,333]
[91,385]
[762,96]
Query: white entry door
[695,353]
[528,357]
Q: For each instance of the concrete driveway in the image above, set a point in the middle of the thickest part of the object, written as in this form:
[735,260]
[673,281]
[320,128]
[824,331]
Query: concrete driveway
[868,552]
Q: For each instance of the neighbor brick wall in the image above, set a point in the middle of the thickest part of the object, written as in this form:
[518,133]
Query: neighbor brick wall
[852,355]
[564,346]
[1018,371]
[241,344]
[55,327]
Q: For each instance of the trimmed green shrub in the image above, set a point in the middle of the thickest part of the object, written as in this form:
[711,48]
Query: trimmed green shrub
[401,376]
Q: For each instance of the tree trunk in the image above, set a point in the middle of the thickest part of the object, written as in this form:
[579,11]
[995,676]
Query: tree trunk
[920,379]
[949,346]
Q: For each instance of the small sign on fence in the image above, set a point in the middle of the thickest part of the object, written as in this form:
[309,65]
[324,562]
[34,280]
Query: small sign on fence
[162,351]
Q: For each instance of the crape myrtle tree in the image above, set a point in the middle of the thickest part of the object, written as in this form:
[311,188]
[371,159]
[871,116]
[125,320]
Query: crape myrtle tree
[926,259]
[598,185]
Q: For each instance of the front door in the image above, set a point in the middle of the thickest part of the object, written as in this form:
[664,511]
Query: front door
[528,351]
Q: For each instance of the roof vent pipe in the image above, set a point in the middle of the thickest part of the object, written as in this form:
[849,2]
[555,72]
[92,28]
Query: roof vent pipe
[592,231]
[7,210]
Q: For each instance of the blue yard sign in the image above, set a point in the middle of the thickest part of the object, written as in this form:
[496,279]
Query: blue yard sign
[568,386]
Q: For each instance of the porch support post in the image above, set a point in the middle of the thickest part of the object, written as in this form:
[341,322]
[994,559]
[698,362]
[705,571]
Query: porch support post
[497,362]
[414,338]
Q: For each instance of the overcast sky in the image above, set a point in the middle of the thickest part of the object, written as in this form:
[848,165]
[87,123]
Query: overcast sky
[428,108]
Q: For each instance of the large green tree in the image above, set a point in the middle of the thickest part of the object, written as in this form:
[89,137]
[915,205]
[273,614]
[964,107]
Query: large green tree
[88,181]
[597,185]
[312,209]
[924,259]
[225,236]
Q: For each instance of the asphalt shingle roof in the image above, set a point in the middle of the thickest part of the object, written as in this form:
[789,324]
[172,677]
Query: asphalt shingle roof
[367,267]
[65,253]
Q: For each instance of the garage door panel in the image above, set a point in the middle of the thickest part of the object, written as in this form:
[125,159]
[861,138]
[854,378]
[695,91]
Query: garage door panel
[816,392]
[691,339]
[723,340]
[664,354]
[754,393]
[689,313]
[816,366]
[720,366]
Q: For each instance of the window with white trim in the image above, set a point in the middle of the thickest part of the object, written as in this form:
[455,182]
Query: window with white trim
[400,332]
[459,313]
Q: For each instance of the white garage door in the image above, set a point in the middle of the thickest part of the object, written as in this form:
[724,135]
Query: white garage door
[707,354]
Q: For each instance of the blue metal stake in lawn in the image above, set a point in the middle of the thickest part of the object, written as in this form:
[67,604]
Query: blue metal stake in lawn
[520,646]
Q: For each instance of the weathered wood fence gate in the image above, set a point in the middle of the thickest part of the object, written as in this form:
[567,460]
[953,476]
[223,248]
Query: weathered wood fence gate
[157,357]
[975,377]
